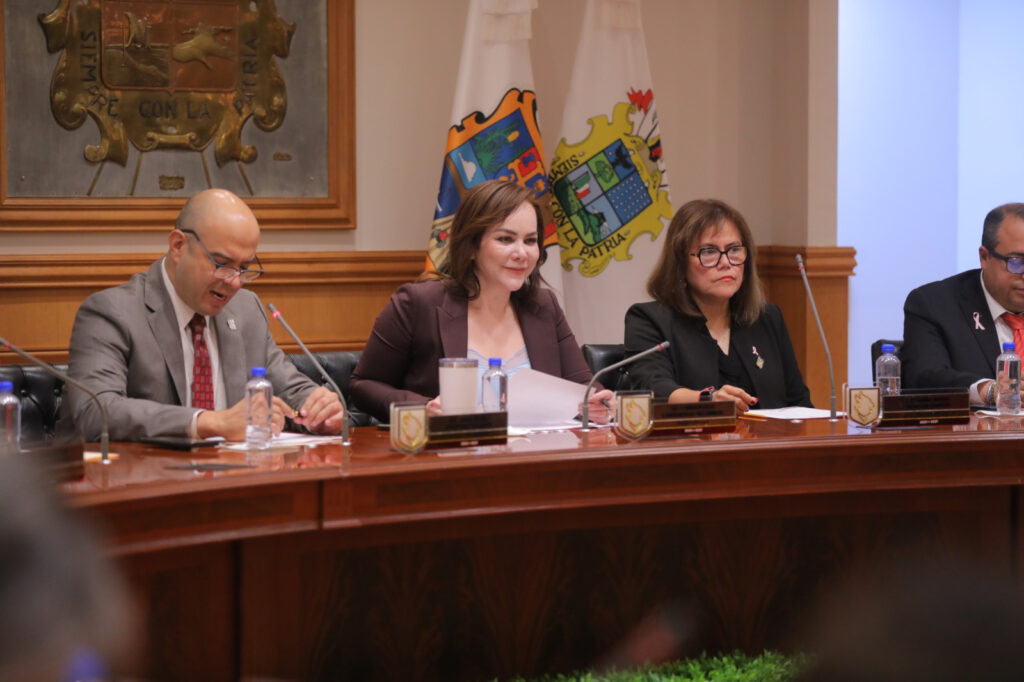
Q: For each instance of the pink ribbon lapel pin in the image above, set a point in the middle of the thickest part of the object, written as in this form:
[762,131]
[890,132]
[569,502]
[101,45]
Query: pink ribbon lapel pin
[977,322]
[760,361]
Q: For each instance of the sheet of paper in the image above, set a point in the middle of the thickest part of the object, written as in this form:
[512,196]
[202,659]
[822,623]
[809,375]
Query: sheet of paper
[793,413]
[286,439]
[539,399]
[995,413]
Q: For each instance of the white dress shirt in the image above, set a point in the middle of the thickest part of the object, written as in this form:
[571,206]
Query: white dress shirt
[1003,332]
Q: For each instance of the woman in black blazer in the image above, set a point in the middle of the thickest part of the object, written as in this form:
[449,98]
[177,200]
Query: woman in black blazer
[727,343]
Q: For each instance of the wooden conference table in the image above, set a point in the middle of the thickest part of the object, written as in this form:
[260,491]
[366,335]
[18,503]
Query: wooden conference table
[539,556]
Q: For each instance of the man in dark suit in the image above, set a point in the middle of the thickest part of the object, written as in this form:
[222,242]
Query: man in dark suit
[953,330]
[169,352]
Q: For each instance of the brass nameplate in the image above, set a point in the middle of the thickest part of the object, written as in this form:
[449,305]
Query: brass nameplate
[925,409]
[680,419]
[467,430]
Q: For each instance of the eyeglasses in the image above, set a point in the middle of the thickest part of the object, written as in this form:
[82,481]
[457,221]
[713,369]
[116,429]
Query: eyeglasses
[1014,264]
[224,271]
[709,256]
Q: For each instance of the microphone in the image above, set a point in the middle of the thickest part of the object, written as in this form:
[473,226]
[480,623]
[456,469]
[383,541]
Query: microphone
[52,371]
[586,394]
[821,331]
[276,314]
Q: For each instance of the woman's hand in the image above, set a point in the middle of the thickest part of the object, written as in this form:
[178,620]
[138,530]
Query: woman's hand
[600,406]
[434,407]
[744,401]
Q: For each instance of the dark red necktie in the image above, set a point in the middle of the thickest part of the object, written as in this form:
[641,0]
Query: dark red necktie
[1016,323]
[202,375]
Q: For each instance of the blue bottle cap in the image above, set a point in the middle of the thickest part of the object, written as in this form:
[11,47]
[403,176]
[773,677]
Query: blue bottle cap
[1009,347]
[7,386]
[888,348]
[494,362]
[259,371]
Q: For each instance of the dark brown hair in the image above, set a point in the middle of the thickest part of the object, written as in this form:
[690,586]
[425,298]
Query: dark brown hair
[486,205]
[667,282]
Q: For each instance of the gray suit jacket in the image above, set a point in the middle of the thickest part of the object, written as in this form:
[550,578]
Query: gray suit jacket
[125,345]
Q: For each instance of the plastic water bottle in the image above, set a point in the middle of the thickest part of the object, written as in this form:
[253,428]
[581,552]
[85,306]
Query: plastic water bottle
[887,371]
[10,418]
[1008,381]
[259,411]
[494,387]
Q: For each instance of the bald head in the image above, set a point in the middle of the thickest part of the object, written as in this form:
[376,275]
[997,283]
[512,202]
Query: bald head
[216,209]
[214,228]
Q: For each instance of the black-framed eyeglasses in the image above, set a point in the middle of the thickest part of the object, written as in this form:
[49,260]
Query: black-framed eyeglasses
[1014,264]
[224,271]
[709,256]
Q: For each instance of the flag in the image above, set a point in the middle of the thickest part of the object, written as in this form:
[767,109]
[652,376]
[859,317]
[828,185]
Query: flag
[608,174]
[494,131]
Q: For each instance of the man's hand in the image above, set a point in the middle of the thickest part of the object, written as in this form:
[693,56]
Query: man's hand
[230,423]
[322,412]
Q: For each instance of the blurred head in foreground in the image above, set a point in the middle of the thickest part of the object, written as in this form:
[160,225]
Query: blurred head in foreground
[62,605]
[921,622]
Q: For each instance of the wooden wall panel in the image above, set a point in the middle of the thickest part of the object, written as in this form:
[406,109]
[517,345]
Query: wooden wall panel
[829,269]
[330,299]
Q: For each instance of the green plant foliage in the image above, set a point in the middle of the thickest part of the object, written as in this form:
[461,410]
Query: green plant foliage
[735,667]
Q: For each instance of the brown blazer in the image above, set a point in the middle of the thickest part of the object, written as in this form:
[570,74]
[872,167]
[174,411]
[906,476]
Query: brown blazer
[423,323]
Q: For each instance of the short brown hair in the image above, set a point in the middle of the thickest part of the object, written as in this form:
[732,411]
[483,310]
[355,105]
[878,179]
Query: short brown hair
[488,204]
[667,282]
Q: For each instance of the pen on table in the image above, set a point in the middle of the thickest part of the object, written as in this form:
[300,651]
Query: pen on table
[753,417]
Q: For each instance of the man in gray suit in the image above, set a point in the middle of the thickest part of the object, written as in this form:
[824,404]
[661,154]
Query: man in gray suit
[137,345]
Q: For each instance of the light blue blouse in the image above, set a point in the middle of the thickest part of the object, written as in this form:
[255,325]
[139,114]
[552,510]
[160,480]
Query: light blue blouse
[518,361]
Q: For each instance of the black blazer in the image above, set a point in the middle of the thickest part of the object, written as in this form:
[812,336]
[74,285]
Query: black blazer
[943,345]
[692,358]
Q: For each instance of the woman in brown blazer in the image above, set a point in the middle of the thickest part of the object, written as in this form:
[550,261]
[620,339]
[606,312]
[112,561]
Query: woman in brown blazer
[486,303]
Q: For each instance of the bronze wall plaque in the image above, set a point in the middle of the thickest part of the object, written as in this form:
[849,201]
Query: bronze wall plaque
[168,75]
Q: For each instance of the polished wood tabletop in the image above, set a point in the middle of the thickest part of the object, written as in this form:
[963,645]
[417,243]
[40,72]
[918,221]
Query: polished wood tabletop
[817,445]
[533,556]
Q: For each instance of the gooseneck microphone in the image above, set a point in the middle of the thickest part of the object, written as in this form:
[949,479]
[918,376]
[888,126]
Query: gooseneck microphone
[585,415]
[276,314]
[53,371]
[821,331]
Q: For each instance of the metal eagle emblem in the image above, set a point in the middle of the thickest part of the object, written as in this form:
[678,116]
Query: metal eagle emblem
[175,74]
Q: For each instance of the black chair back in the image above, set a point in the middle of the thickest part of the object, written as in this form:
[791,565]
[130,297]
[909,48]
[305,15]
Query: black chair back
[876,350]
[601,355]
[339,365]
[40,396]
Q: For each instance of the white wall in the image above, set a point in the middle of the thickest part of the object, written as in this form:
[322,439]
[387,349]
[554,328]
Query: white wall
[897,158]
[991,117]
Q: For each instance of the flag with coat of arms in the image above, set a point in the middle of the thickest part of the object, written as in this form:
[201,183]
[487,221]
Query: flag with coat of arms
[608,178]
[494,132]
